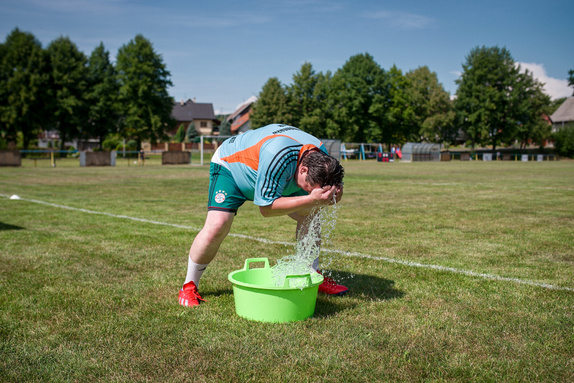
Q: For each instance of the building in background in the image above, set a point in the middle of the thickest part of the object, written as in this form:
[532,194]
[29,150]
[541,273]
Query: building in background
[240,119]
[564,115]
[200,114]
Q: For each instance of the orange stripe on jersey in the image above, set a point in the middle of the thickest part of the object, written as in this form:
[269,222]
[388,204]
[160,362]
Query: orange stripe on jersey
[250,156]
[306,148]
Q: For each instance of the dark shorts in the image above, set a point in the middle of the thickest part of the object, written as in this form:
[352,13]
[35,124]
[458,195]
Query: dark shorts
[224,195]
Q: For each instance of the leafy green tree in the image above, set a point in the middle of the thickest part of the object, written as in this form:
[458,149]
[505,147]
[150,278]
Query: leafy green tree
[397,111]
[571,79]
[68,77]
[145,103]
[321,122]
[272,105]
[531,104]
[490,96]
[309,103]
[360,92]
[24,74]
[301,95]
[101,95]
[433,114]
[564,141]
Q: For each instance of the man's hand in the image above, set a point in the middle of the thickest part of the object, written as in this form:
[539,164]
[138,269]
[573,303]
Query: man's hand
[339,193]
[327,195]
[303,205]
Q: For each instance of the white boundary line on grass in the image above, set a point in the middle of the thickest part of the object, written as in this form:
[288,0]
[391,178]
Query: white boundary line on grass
[340,252]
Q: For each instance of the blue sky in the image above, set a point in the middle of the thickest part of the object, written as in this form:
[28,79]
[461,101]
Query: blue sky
[223,52]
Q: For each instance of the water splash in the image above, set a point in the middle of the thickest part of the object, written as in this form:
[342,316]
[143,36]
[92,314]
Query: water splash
[320,225]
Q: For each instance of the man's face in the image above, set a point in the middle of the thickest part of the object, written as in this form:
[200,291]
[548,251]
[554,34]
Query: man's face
[302,180]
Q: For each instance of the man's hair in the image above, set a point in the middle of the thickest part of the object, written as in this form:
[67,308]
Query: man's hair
[324,170]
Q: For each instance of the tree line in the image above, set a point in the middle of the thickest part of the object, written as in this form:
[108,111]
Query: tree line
[58,88]
[495,104]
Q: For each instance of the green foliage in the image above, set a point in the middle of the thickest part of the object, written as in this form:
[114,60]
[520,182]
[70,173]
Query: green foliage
[191,133]
[271,106]
[312,96]
[111,143]
[483,95]
[104,112]
[571,79]
[301,96]
[531,104]
[180,135]
[400,114]
[360,93]
[433,115]
[59,88]
[225,127]
[564,141]
[145,103]
[24,81]
[69,108]
[497,103]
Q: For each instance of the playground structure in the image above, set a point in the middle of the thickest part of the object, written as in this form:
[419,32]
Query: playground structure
[364,151]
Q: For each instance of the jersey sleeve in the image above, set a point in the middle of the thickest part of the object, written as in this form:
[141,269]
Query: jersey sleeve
[277,165]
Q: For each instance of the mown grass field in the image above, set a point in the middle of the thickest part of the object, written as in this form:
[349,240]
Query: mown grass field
[88,297]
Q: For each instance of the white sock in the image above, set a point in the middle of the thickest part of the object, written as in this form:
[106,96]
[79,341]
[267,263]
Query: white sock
[194,271]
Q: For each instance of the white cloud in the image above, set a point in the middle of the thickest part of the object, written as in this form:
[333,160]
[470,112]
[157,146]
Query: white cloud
[78,6]
[402,20]
[555,88]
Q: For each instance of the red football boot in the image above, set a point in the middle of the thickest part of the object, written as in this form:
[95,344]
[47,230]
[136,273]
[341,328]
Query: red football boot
[189,296]
[330,287]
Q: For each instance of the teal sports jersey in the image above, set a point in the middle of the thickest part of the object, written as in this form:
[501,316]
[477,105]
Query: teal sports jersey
[264,161]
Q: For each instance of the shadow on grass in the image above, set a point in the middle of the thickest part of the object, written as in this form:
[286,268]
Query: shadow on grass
[361,287]
[6,226]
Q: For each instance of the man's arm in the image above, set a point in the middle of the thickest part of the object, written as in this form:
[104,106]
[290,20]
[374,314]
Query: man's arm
[301,204]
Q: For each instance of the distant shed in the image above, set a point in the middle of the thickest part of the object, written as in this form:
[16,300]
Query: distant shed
[333,147]
[420,152]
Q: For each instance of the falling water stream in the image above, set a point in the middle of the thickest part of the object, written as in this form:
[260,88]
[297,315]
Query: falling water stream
[321,224]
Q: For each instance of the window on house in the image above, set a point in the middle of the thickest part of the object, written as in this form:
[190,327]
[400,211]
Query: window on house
[203,124]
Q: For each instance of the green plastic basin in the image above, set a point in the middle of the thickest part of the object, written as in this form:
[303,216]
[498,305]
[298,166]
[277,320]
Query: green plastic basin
[258,298]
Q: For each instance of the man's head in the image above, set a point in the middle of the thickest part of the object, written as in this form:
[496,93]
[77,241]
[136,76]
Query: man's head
[323,170]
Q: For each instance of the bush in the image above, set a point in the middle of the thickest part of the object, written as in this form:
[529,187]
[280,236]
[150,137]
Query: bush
[72,152]
[111,143]
[564,141]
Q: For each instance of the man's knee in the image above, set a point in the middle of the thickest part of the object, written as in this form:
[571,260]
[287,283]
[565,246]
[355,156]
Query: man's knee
[217,226]
[215,233]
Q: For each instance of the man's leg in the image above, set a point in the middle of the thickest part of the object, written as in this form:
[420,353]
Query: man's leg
[207,242]
[202,251]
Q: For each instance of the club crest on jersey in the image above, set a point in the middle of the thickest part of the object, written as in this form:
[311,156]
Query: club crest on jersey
[220,196]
